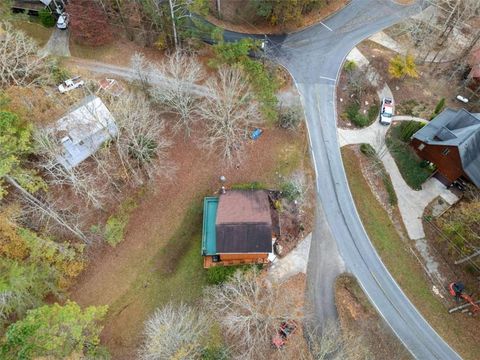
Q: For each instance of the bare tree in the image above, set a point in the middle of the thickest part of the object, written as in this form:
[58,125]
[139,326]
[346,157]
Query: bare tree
[140,143]
[181,71]
[357,79]
[83,181]
[19,63]
[250,310]
[142,69]
[228,112]
[174,332]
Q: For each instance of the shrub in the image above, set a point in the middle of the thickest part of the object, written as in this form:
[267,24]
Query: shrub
[58,72]
[290,191]
[215,353]
[367,149]
[249,186]
[353,114]
[349,65]
[219,274]
[289,118]
[373,112]
[438,108]
[403,65]
[408,128]
[114,230]
[46,18]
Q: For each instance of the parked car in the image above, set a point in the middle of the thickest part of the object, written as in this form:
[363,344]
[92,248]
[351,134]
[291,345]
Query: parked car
[70,84]
[63,21]
[386,111]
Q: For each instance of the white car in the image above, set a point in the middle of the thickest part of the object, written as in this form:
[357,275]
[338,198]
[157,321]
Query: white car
[386,111]
[63,20]
[70,84]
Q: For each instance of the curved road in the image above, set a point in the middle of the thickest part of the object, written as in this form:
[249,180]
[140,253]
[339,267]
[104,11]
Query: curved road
[314,57]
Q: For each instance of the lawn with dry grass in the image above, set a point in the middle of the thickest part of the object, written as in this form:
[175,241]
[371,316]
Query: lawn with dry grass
[159,259]
[459,330]
[359,320]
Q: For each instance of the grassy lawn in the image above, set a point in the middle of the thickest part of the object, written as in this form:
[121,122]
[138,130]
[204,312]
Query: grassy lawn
[359,320]
[35,30]
[175,273]
[455,329]
[90,52]
[410,165]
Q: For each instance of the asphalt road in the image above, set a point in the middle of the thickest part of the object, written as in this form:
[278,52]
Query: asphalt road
[314,57]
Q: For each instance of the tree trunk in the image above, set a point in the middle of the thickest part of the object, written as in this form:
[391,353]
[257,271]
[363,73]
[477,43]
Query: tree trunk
[174,26]
[46,209]
[461,261]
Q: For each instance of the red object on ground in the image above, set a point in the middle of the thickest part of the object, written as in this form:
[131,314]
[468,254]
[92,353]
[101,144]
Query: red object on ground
[456,289]
[287,328]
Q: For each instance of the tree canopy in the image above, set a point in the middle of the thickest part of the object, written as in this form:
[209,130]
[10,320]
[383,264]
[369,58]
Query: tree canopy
[55,331]
[403,65]
[15,145]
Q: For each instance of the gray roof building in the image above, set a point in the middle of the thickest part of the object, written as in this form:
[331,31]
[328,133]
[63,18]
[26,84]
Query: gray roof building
[459,129]
[83,130]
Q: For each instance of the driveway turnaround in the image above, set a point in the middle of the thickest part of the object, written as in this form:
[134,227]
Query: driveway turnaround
[411,203]
[314,57]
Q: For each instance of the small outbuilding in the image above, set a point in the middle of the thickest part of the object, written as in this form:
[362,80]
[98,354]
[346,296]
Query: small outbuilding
[83,130]
[451,141]
[237,228]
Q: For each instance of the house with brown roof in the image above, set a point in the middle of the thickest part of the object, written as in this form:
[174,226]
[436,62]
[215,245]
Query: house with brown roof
[451,141]
[237,228]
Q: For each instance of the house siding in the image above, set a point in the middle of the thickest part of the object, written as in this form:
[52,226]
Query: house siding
[248,256]
[448,164]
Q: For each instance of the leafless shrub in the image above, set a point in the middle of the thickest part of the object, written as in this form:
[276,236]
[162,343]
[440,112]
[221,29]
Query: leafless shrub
[19,63]
[174,332]
[228,112]
[250,310]
[181,71]
[331,343]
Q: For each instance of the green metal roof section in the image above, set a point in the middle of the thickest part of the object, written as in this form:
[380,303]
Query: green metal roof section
[209,236]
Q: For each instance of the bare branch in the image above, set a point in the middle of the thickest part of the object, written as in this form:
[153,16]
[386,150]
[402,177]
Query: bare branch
[19,63]
[181,71]
[174,332]
[228,112]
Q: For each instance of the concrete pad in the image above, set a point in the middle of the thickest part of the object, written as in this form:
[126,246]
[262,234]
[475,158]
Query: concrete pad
[293,263]
[386,41]
[356,56]
[57,45]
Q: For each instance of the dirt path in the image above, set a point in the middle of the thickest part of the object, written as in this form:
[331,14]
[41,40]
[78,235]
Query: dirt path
[114,272]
